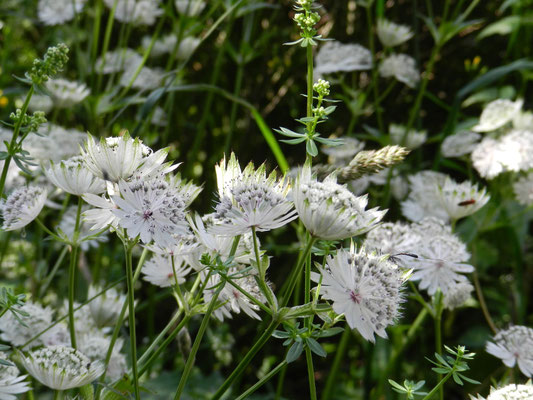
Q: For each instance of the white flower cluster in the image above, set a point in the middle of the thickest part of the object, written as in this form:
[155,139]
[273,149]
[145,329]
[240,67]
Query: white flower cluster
[11,383]
[137,12]
[459,144]
[402,67]
[22,206]
[391,34]
[191,8]
[35,319]
[365,287]
[56,12]
[338,57]
[117,60]
[509,392]
[412,139]
[514,346]
[66,93]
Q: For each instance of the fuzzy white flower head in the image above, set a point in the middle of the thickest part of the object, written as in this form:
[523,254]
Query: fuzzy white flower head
[105,309]
[250,199]
[391,34]
[190,7]
[117,158]
[73,177]
[137,12]
[65,93]
[102,216]
[338,57]
[402,67]
[509,392]
[152,210]
[62,367]
[343,154]
[40,102]
[423,196]
[117,60]
[459,144]
[67,227]
[496,114]
[518,146]
[413,139]
[147,79]
[330,211]
[43,146]
[397,239]
[458,295]
[95,346]
[461,199]
[37,319]
[488,158]
[366,288]
[160,272]
[22,206]
[523,189]
[56,12]
[523,120]
[10,381]
[514,346]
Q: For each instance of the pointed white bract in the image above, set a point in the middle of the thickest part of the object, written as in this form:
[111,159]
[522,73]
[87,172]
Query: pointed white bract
[57,12]
[461,199]
[365,287]
[11,382]
[338,57]
[514,346]
[190,7]
[402,67]
[22,206]
[412,140]
[136,12]
[65,93]
[330,211]
[159,271]
[497,113]
[391,34]
[249,199]
[459,144]
[61,367]
[73,177]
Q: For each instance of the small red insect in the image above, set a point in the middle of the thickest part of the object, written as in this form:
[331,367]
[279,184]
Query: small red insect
[466,202]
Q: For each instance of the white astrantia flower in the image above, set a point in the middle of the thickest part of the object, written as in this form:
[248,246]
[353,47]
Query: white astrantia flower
[459,144]
[391,34]
[116,158]
[151,210]
[402,67]
[117,60]
[509,392]
[461,199]
[37,319]
[43,145]
[343,154]
[40,102]
[330,211]
[56,12]
[514,346]
[11,382]
[147,78]
[67,227]
[159,271]
[251,199]
[523,189]
[73,177]
[518,146]
[187,47]
[102,216]
[458,295]
[233,301]
[397,239]
[62,367]
[497,113]
[66,93]
[22,206]
[95,347]
[137,12]
[365,287]
[168,43]
[523,120]
[338,57]
[411,140]
[488,158]
[190,7]
[105,309]
[423,196]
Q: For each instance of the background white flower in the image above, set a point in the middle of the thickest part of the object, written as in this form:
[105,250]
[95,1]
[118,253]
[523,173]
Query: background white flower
[22,206]
[514,346]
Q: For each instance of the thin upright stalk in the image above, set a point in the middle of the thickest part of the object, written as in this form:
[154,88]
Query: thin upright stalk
[262,273]
[438,333]
[295,272]
[374,69]
[309,53]
[263,380]
[483,304]
[339,355]
[58,395]
[72,274]
[128,248]
[310,373]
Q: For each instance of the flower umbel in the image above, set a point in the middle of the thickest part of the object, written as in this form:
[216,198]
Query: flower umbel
[514,346]
[22,206]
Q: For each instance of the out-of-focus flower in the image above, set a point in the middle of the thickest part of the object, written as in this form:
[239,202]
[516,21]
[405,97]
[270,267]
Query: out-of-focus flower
[35,320]
[523,189]
[117,60]
[338,57]
[509,392]
[411,140]
[459,144]
[496,114]
[514,346]
[56,12]
[343,154]
[66,93]
[68,225]
[105,309]
[73,177]
[159,271]
[458,295]
[423,196]
[39,102]
[190,7]
[391,34]
[461,199]
[402,67]
[137,12]
[95,346]
[22,206]
[11,383]
[147,78]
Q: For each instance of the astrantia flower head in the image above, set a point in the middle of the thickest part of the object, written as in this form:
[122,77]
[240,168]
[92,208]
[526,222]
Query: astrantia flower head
[117,158]
[330,211]
[411,140]
[95,347]
[22,206]
[62,367]
[343,154]
[461,199]
[458,295]
[152,210]
[10,381]
[37,319]
[117,60]
[73,177]
[366,288]
[105,309]
[496,114]
[402,67]
[148,78]
[55,12]
[391,34]
[523,189]
[509,392]
[423,195]
[65,93]
[159,271]
[43,145]
[249,199]
[459,144]
[514,346]
[338,57]
[137,12]
[397,239]
[190,7]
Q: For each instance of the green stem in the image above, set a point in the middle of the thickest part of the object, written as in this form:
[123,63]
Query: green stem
[309,53]
[107,37]
[262,273]
[262,381]
[310,373]
[438,386]
[71,289]
[52,234]
[128,248]
[375,79]
[438,332]
[250,297]
[54,270]
[483,304]
[237,372]
[58,395]
[339,355]
[196,345]
[16,132]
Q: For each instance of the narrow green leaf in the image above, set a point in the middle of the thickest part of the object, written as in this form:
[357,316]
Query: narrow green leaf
[315,347]
[294,352]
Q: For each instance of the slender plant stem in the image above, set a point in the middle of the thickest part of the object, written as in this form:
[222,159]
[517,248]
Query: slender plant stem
[309,53]
[295,272]
[237,372]
[249,297]
[438,333]
[375,79]
[263,380]
[107,37]
[339,355]
[71,291]
[196,345]
[281,381]
[128,248]
[310,373]
[438,386]
[54,270]
[58,395]
[483,304]
[262,273]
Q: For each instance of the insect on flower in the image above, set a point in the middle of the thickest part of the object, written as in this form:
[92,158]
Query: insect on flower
[466,203]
